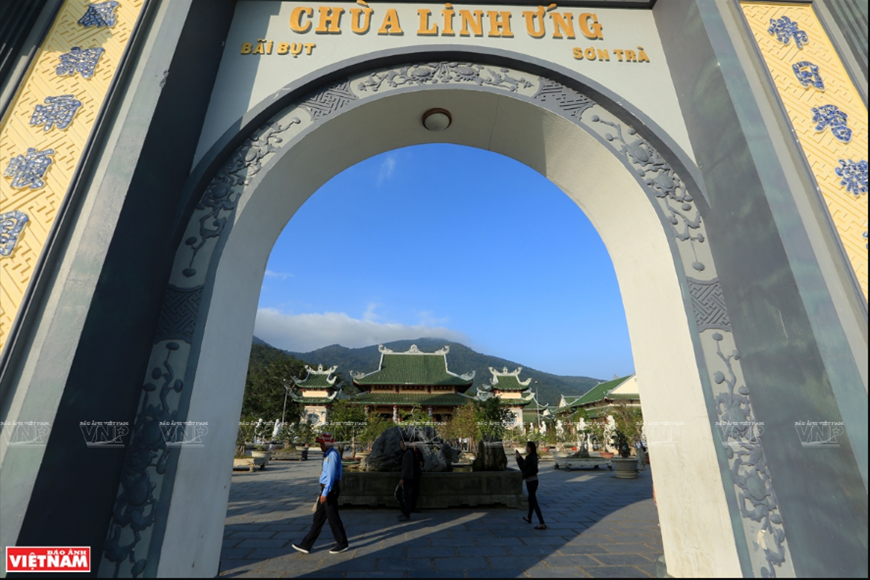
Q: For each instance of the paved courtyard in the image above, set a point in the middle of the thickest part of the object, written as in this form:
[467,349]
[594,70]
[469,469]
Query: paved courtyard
[600,526]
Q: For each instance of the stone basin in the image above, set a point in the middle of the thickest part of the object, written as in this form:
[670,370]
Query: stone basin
[438,490]
[567,462]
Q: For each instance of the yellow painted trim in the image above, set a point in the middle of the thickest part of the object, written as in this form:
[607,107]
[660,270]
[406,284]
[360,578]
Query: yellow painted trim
[823,151]
[17,135]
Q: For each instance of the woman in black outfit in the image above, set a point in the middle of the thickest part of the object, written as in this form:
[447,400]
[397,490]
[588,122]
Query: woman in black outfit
[529,467]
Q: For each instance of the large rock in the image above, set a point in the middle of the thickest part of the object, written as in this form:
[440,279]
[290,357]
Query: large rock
[437,490]
[490,457]
[450,455]
[386,452]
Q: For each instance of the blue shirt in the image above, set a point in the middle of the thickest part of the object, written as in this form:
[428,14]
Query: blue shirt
[331,470]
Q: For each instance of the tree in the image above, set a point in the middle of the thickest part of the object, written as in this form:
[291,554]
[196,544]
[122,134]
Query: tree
[246,434]
[298,433]
[518,436]
[374,427]
[463,425]
[492,417]
[629,422]
[416,417]
[346,421]
[269,370]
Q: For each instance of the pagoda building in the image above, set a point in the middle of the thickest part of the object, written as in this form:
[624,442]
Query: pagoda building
[413,378]
[511,392]
[315,393]
[599,400]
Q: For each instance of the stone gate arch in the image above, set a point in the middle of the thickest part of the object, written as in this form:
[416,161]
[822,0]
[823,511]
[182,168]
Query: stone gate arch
[718,506]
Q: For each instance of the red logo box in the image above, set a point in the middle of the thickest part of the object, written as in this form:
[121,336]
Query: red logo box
[42,559]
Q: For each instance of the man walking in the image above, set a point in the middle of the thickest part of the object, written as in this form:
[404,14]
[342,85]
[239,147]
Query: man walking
[405,491]
[327,504]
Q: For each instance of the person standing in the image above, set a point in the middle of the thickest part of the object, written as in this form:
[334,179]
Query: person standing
[327,503]
[418,477]
[405,491]
[529,467]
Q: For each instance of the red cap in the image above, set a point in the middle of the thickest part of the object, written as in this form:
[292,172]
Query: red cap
[325,438]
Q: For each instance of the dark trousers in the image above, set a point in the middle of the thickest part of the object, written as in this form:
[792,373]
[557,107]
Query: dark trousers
[532,488]
[327,511]
[415,493]
[405,496]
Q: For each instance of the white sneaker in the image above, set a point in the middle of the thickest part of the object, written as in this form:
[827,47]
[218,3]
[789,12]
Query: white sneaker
[298,549]
[337,550]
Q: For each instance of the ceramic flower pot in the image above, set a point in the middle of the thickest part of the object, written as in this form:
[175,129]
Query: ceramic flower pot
[624,468]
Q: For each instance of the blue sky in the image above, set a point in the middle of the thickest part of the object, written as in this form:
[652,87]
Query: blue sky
[452,242]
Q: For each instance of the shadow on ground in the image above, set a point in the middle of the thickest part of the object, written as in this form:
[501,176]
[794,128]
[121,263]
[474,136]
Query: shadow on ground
[599,526]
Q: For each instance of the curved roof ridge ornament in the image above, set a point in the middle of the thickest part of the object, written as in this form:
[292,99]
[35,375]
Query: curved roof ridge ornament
[414,349]
[506,373]
[303,383]
[320,370]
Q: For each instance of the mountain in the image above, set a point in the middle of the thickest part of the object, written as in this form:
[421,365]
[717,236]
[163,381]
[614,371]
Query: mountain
[460,360]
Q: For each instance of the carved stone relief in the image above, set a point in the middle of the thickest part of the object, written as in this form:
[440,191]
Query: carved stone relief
[708,304]
[768,546]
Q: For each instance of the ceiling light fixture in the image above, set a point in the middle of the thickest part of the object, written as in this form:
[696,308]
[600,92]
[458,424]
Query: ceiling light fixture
[437,119]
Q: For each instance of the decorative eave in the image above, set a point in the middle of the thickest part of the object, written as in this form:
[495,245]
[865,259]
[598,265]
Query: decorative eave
[523,401]
[314,374]
[505,373]
[316,400]
[413,350]
[514,383]
[410,399]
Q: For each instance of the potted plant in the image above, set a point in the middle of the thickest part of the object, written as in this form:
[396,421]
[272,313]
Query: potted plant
[624,466]
[518,438]
[627,432]
[303,435]
[240,443]
[549,440]
[596,434]
[245,436]
[535,437]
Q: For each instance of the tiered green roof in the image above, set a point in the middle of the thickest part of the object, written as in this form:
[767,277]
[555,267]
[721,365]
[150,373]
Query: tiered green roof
[533,409]
[319,378]
[422,399]
[597,393]
[524,402]
[571,401]
[504,380]
[413,368]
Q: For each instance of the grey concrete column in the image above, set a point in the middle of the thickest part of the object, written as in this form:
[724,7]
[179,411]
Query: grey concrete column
[84,351]
[802,332]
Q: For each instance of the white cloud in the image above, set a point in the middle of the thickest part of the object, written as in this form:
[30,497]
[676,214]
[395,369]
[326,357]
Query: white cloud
[387,168]
[279,275]
[428,318]
[306,332]
[370,315]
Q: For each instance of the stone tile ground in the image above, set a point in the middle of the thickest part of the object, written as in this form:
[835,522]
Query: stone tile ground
[600,527]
